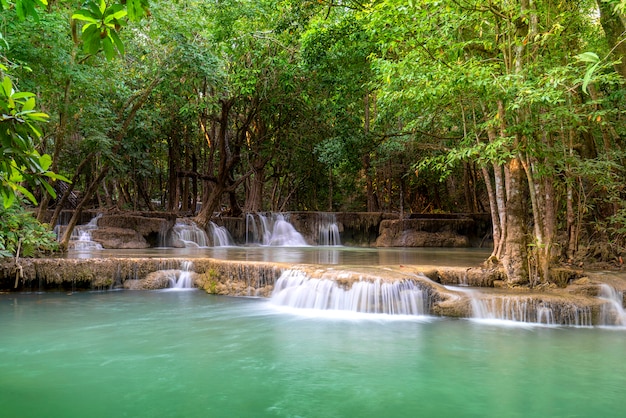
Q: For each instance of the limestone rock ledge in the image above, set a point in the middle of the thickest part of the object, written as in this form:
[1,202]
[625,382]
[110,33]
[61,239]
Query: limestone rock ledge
[450,290]
[425,233]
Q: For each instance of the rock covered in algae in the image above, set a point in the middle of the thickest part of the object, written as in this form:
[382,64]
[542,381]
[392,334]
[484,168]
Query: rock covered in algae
[105,273]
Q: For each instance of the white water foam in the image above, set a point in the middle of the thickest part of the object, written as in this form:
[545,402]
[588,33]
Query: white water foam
[80,239]
[527,310]
[612,312]
[328,230]
[183,278]
[189,235]
[221,236]
[294,289]
[273,230]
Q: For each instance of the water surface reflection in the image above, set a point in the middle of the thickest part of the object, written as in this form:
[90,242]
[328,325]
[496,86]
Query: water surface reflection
[453,257]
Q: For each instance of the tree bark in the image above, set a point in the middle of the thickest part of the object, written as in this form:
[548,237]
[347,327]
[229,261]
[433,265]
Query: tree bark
[515,258]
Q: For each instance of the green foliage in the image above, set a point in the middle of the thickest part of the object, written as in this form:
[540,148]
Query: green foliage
[19,160]
[18,228]
[350,94]
[102,24]
[23,8]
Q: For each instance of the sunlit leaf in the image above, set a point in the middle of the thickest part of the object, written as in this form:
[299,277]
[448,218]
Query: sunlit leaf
[588,57]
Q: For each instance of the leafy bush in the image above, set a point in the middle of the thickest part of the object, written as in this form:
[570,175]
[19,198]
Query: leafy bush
[19,229]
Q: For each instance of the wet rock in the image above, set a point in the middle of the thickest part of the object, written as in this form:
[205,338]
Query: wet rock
[119,238]
[149,226]
[424,233]
[564,276]
[472,276]
[160,279]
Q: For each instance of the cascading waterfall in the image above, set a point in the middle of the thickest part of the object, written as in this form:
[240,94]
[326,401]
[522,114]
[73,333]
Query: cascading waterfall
[612,312]
[189,235]
[80,239]
[402,297]
[252,231]
[221,236]
[526,309]
[328,230]
[274,230]
[183,278]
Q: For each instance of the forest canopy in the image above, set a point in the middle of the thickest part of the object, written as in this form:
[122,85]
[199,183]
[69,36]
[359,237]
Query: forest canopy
[510,107]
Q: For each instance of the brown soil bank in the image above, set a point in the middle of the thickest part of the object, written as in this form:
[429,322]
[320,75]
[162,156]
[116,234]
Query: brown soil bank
[575,304]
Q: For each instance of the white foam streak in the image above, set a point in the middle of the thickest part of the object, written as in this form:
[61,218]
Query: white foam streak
[294,289]
[612,312]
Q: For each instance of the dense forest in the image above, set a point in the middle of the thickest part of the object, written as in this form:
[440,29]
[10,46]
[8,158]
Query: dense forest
[510,107]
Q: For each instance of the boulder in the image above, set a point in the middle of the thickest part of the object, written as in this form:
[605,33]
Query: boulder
[119,238]
[149,228]
[424,233]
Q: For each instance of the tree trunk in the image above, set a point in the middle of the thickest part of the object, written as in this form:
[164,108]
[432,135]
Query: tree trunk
[77,212]
[226,162]
[70,188]
[372,200]
[515,258]
[493,210]
[173,197]
[254,199]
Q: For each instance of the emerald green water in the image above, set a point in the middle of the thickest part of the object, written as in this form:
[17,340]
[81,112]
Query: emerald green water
[187,354]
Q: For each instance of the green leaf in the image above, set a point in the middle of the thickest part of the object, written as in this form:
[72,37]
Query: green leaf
[91,39]
[588,57]
[7,86]
[115,12]
[118,42]
[45,161]
[28,195]
[55,176]
[109,49]
[85,16]
[29,104]
[7,198]
[49,189]
[588,76]
[38,116]
[22,95]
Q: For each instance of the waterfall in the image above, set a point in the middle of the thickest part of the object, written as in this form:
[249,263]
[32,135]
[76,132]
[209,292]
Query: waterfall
[221,236]
[274,230]
[80,239]
[252,231]
[183,278]
[328,230]
[527,309]
[612,312]
[188,234]
[401,297]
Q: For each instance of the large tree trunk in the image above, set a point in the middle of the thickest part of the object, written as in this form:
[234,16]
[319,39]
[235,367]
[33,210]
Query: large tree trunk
[254,200]
[226,162]
[515,257]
